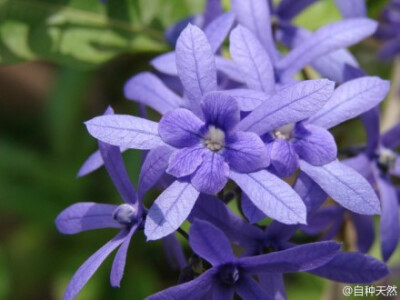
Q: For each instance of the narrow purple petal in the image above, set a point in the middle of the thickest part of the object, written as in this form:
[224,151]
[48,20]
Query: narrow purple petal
[90,266]
[194,290]
[315,144]
[196,65]
[345,186]
[86,216]
[153,168]
[272,196]
[212,11]
[149,90]
[312,195]
[365,229]
[229,68]
[252,213]
[352,9]
[287,9]
[389,223]
[115,167]
[292,104]
[174,252]
[212,175]
[252,60]
[92,163]
[255,15]
[210,243]
[125,131]
[185,161]
[353,267]
[218,30]
[284,158]
[180,128]
[165,63]
[249,289]
[118,266]
[299,258]
[272,284]
[245,152]
[170,210]
[327,39]
[221,292]
[220,110]
[247,100]
[371,122]
[350,100]
[391,138]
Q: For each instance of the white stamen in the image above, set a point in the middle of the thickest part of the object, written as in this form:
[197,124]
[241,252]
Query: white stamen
[387,158]
[214,139]
[284,132]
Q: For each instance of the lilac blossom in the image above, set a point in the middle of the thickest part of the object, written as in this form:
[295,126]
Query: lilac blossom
[229,274]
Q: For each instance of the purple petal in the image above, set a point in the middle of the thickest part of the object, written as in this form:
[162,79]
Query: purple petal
[371,121]
[220,110]
[125,131]
[149,90]
[170,210]
[194,290]
[389,223]
[86,216]
[249,289]
[299,258]
[245,152]
[352,9]
[252,213]
[212,11]
[174,252]
[180,128]
[272,284]
[115,167]
[221,292]
[210,243]
[390,49]
[272,196]
[365,229]
[312,195]
[212,175]
[292,104]
[153,168]
[255,15]
[172,33]
[345,186]
[352,267]
[247,100]
[90,266]
[321,220]
[185,161]
[327,39]
[252,60]
[118,266]
[284,158]
[213,210]
[94,162]
[229,68]
[350,100]
[362,165]
[218,30]
[315,144]
[288,9]
[196,65]
[165,63]
[391,138]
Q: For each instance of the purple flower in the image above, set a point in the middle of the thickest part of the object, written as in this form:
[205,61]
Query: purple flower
[229,275]
[128,217]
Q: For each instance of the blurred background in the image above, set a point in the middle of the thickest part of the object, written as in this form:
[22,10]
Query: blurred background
[63,62]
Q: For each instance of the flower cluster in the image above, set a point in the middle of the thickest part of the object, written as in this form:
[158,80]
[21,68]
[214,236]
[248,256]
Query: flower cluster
[246,129]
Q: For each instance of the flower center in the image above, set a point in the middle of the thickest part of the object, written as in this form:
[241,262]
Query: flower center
[284,132]
[125,214]
[214,139]
[229,274]
[387,159]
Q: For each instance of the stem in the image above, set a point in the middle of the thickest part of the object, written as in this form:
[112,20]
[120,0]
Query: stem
[183,233]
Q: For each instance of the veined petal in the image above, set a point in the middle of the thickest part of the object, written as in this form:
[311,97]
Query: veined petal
[245,152]
[210,243]
[180,128]
[284,158]
[292,104]
[327,39]
[272,196]
[299,258]
[252,60]
[247,100]
[350,100]
[315,144]
[185,161]
[86,216]
[218,30]
[149,90]
[345,186]
[90,266]
[212,175]
[196,65]
[125,131]
[170,210]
